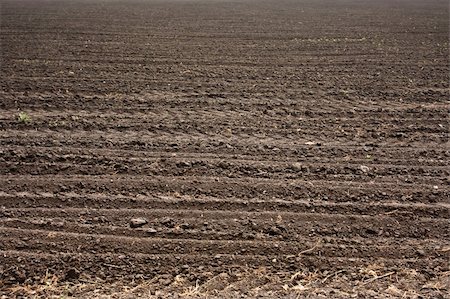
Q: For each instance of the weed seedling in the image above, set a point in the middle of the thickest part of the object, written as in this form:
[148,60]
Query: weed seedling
[24,118]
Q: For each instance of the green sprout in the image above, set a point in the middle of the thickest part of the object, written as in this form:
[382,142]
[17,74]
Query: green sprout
[24,118]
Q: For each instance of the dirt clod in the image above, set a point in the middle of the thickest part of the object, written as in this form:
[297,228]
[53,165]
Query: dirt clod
[138,222]
[72,274]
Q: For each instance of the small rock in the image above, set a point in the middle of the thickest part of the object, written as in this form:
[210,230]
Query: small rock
[364,168]
[274,231]
[58,224]
[21,245]
[248,236]
[184,164]
[185,225]
[151,231]
[372,231]
[185,267]
[168,222]
[297,166]
[165,282]
[138,222]
[260,236]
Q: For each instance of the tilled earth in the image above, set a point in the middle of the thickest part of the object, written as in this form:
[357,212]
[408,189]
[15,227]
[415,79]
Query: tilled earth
[228,149]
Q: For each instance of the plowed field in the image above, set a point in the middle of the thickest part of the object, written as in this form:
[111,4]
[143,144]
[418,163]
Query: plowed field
[272,148]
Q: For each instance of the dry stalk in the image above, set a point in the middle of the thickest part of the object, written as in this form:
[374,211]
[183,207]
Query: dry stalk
[378,277]
[310,249]
[331,275]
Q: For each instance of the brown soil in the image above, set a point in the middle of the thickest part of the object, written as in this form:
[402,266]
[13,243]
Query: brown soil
[274,148]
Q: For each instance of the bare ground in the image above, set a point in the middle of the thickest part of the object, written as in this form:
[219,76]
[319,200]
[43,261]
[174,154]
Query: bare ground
[293,149]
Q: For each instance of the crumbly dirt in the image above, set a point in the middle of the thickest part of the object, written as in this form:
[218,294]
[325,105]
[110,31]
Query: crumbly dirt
[211,149]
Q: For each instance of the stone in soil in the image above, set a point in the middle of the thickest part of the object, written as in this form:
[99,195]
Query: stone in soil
[138,222]
[151,231]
